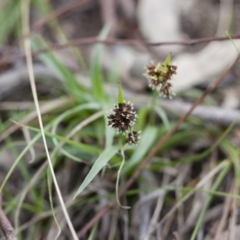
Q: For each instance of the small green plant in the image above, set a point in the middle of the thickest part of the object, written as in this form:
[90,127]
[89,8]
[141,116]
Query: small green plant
[122,118]
[160,75]
[83,142]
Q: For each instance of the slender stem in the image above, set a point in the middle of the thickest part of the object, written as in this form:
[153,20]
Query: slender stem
[153,104]
[118,178]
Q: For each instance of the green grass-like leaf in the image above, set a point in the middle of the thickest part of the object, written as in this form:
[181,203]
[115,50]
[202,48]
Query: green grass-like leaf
[101,162]
[96,72]
[73,87]
[148,137]
[120,94]
[167,59]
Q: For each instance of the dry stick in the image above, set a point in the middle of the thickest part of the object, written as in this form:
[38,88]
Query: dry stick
[27,48]
[175,234]
[162,140]
[41,23]
[232,235]
[226,209]
[60,11]
[6,226]
[111,41]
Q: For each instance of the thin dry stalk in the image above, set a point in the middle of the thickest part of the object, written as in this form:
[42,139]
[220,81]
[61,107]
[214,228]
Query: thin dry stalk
[175,234]
[167,227]
[113,225]
[226,209]
[133,42]
[201,197]
[27,48]
[154,217]
[155,149]
[183,174]
[158,208]
[6,226]
[233,219]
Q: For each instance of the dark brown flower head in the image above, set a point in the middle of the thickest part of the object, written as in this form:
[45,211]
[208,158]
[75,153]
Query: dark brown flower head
[132,138]
[165,90]
[159,78]
[122,117]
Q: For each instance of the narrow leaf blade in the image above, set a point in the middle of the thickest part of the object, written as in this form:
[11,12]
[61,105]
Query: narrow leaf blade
[102,160]
[120,93]
[167,59]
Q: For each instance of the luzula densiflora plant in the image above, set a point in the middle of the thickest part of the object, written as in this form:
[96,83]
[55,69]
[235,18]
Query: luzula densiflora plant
[160,75]
[123,117]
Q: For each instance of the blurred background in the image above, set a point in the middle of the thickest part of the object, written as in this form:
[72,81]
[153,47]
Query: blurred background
[71,70]
[154,21]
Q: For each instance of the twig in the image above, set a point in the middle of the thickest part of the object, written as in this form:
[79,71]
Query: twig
[158,208]
[175,234]
[233,219]
[113,41]
[6,226]
[41,23]
[208,114]
[211,215]
[155,149]
[226,209]
[155,216]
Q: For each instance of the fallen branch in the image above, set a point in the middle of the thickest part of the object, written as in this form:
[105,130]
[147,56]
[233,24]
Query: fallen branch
[135,42]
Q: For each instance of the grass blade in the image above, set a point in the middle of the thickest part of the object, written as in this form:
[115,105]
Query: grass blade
[148,137]
[101,162]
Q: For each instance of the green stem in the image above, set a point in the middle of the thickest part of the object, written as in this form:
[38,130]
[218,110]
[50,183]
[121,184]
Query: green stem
[153,104]
[118,178]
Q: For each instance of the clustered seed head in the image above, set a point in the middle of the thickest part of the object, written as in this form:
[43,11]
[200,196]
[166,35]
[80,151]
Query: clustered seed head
[122,118]
[133,138]
[159,78]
